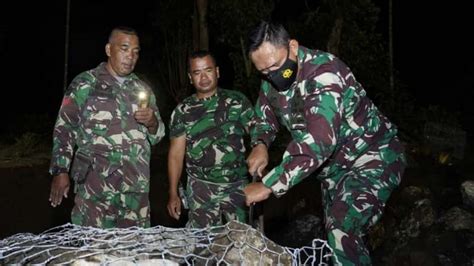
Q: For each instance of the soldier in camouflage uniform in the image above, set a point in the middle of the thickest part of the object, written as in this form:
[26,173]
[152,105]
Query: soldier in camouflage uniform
[334,126]
[101,116]
[208,130]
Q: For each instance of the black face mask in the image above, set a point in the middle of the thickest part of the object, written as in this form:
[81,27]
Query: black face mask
[283,77]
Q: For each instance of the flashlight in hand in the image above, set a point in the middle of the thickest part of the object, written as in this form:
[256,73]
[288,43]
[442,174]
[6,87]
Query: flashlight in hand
[143,99]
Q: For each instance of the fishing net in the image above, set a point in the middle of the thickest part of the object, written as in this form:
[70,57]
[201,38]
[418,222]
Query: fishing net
[230,244]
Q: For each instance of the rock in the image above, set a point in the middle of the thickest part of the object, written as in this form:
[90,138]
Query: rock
[376,235]
[239,243]
[421,216]
[302,230]
[467,191]
[421,258]
[412,194]
[118,262]
[457,219]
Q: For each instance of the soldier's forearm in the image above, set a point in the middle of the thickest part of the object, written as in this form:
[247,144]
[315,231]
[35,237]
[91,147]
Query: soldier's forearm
[174,175]
[173,189]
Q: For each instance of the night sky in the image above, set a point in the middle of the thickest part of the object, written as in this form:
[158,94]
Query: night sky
[432,49]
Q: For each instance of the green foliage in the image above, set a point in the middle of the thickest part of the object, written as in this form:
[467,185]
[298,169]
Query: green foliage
[360,45]
[413,124]
[439,115]
[27,140]
[362,48]
[172,33]
[229,23]
[232,20]
[26,146]
[312,28]
[41,124]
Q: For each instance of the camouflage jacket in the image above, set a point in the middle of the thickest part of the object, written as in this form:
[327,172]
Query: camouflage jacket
[214,129]
[331,120]
[96,116]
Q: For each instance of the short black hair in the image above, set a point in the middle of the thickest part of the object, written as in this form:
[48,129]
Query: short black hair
[265,31]
[200,54]
[123,29]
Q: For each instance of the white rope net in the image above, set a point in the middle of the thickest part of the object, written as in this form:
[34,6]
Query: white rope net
[231,244]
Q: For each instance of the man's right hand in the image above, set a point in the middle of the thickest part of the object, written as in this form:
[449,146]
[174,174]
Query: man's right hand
[174,206]
[59,189]
[258,160]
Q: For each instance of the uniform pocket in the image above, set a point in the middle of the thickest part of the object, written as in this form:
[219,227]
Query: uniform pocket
[81,166]
[98,114]
[297,121]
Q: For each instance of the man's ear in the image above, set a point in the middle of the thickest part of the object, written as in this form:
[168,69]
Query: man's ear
[190,79]
[294,47]
[217,72]
[107,49]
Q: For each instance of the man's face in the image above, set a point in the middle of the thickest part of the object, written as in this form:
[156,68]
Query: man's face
[203,74]
[269,57]
[122,50]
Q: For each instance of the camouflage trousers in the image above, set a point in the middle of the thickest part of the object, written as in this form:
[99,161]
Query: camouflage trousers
[354,200]
[212,204]
[99,203]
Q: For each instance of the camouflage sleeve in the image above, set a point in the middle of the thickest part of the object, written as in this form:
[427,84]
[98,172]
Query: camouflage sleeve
[247,113]
[315,143]
[160,132]
[176,122]
[66,128]
[265,124]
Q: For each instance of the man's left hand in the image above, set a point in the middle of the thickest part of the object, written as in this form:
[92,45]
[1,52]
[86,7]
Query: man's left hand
[256,192]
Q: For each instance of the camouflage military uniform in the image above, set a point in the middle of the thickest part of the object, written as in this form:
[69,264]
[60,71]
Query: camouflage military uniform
[111,163]
[215,155]
[335,126]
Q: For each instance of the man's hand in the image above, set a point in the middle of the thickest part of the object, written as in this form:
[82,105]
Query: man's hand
[258,160]
[147,117]
[174,206]
[59,189]
[256,192]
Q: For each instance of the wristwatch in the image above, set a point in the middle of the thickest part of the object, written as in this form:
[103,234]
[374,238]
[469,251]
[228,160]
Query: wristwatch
[58,170]
[259,141]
